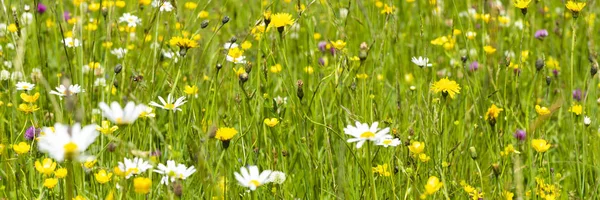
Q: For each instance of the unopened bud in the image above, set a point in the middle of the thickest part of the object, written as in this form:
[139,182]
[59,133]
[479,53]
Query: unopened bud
[473,152]
[233,39]
[204,24]
[548,80]
[464,59]
[118,68]
[539,64]
[593,70]
[219,66]
[300,92]
[243,77]
[496,169]
[225,20]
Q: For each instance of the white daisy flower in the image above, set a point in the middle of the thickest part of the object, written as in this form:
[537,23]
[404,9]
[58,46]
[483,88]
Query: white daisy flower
[148,113]
[62,91]
[229,45]
[165,6]
[131,20]
[100,82]
[251,178]
[134,167]
[587,121]
[25,86]
[276,177]
[388,141]
[363,133]
[170,104]
[4,75]
[421,62]
[66,142]
[119,52]
[121,116]
[70,42]
[173,171]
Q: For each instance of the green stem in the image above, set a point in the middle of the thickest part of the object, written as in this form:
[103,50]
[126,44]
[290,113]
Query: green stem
[69,179]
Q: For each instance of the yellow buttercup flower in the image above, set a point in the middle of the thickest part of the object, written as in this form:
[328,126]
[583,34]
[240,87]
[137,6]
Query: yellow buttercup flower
[239,71]
[576,109]
[106,128]
[30,98]
[424,157]
[416,147]
[492,113]
[271,122]
[540,145]
[433,185]
[246,45]
[382,170]
[521,4]
[387,9]
[142,185]
[447,87]
[225,134]
[281,20]
[103,177]
[541,110]
[21,148]
[60,173]
[191,90]
[338,44]
[50,182]
[275,68]
[203,14]
[27,108]
[45,167]
[489,49]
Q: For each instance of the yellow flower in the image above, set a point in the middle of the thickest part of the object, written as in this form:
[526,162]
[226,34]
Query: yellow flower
[45,167]
[575,7]
[541,110]
[489,49]
[12,28]
[79,197]
[521,4]
[203,14]
[309,69]
[106,128]
[184,43]
[191,90]
[275,68]
[382,170]
[190,5]
[102,177]
[60,173]
[2,147]
[50,182]
[508,195]
[246,45]
[271,122]
[28,108]
[576,109]
[30,98]
[89,163]
[552,63]
[144,2]
[387,9]
[281,20]
[21,148]
[239,71]
[362,76]
[447,87]
[433,185]
[142,185]
[492,113]
[416,147]
[235,53]
[424,158]
[540,145]
[316,36]
[225,134]
[339,44]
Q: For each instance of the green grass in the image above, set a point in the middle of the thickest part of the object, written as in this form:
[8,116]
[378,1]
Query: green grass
[309,144]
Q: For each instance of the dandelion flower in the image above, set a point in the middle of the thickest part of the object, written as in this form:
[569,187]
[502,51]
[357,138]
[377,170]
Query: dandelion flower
[251,178]
[492,114]
[363,133]
[540,145]
[281,20]
[489,49]
[173,171]
[21,148]
[446,87]
[421,61]
[170,104]
[45,167]
[576,109]
[225,134]
[65,141]
[575,7]
[133,167]
[62,91]
[521,4]
[25,86]
[122,116]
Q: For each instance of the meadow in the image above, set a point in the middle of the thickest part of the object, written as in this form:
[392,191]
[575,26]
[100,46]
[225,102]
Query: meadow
[299,99]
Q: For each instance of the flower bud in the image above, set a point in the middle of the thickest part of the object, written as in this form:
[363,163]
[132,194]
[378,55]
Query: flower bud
[225,20]
[548,80]
[243,77]
[219,66]
[204,24]
[539,64]
[473,152]
[118,68]
[300,92]
[593,70]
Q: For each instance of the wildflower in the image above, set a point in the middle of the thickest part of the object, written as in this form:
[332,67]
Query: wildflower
[363,133]
[388,141]
[251,178]
[387,9]
[62,91]
[271,122]
[280,20]
[520,134]
[31,132]
[27,109]
[183,43]
[148,113]
[225,134]
[41,8]
[70,42]
[492,114]
[60,173]
[203,14]
[106,128]
[65,141]
[421,61]
[119,52]
[246,45]
[382,170]
[164,6]
[191,90]
[229,45]
[576,109]
[540,145]
[433,185]
[575,7]
[122,116]
[474,66]
[45,167]
[522,4]
[25,86]
[446,87]
[416,147]
[276,177]
[136,166]
[50,182]
[30,98]
[541,34]
[142,185]
[338,44]
[170,104]
[173,171]
[275,68]
[489,49]
[424,158]
[587,121]
[471,35]
[21,148]
[577,94]
[131,20]
[235,55]
[102,176]
[541,110]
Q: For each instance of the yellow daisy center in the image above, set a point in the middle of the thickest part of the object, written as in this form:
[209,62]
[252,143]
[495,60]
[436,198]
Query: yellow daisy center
[255,183]
[169,106]
[70,147]
[367,134]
